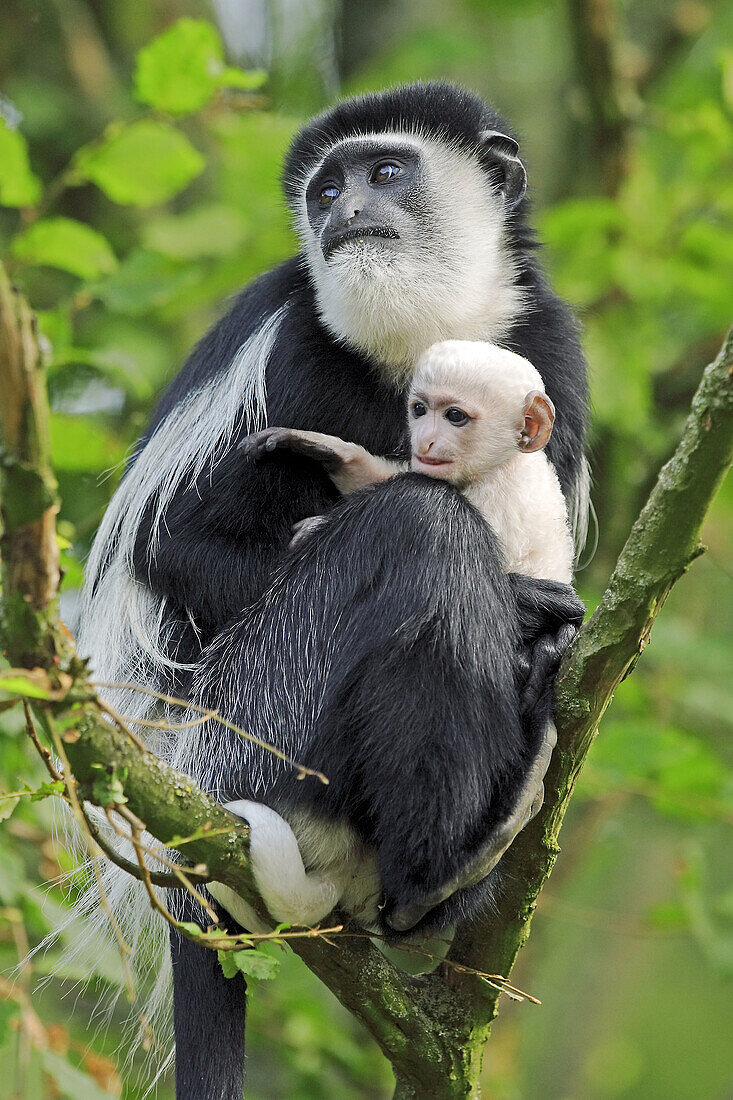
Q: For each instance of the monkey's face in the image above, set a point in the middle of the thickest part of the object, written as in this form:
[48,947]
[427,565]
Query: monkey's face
[457,437]
[363,203]
[405,243]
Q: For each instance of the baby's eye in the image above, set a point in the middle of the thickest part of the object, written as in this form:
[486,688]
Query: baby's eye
[417,409]
[457,417]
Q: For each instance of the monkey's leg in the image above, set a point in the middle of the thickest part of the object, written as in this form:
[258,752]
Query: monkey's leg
[208,1018]
[550,614]
[529,803]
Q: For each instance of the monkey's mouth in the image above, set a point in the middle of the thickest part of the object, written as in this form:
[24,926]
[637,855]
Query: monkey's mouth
[420,461]
[329,247]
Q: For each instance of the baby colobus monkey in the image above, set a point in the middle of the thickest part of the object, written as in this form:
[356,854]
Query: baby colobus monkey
[479,418]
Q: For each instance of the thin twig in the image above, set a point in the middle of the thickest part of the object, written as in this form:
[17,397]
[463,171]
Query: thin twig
[136,829]
[120,721]
[123,946]
[160,878]
[215,717]
[163,725]
[42,751]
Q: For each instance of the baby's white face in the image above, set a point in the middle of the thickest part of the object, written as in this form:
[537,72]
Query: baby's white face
[460,436]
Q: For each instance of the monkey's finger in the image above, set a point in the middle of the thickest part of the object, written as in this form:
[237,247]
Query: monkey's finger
[256,446]
[547,653]
[303,528]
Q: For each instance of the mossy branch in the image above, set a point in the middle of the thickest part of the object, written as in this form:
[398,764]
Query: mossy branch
[431,1028]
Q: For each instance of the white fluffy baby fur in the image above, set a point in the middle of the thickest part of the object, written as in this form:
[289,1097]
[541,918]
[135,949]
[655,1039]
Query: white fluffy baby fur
[518,494]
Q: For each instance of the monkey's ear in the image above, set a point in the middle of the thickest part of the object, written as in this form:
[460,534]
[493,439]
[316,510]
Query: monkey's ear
[500,152]
[539,417]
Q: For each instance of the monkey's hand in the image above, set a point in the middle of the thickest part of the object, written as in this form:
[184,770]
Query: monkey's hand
[349,466]
[550,615]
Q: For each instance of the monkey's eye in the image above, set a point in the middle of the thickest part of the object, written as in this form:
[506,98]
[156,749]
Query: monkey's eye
[328,194]
[417,409]
[457,417]
[383,173]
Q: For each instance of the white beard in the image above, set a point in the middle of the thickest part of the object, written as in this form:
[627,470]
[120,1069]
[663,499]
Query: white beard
[392,300]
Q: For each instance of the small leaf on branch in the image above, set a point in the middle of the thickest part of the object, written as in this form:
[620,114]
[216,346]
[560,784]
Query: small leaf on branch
[49,789]
[68,245]
[35,684]
[256,965]
[190,927]
[8,802]
[140,164]
[18,185]
[107,789]
[181,69]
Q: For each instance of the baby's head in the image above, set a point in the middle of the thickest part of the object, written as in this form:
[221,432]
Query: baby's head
[472,407]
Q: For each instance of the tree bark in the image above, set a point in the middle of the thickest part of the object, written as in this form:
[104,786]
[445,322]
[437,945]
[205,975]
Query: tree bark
[433,1027]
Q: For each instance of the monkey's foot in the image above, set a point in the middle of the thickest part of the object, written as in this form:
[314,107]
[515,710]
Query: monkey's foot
[529,803]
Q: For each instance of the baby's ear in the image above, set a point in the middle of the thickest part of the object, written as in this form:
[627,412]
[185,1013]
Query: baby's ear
[539,416]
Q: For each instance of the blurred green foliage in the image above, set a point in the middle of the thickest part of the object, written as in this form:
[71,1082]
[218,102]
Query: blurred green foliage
[139,187]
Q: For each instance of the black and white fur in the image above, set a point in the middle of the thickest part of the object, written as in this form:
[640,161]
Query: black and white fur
[191,589]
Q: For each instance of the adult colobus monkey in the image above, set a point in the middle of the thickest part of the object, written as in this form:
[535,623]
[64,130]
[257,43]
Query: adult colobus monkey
[390,650]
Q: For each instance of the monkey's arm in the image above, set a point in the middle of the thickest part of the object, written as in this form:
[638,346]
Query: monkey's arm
[349,466]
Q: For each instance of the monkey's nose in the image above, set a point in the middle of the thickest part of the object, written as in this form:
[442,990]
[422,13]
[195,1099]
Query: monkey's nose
[351,217]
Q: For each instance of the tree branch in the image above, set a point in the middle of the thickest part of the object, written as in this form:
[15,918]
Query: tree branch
[28,548]
[593,29]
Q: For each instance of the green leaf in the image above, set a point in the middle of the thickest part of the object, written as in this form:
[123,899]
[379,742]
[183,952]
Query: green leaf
[7,805]
[248,80]
[25,686]
[212,230]
[190,927]
[140,164]
[143,282]
[49,789]
[255,965]
[107,789]
[182,68]
[228,965]
[18,185]
[80,445]
[66,244]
